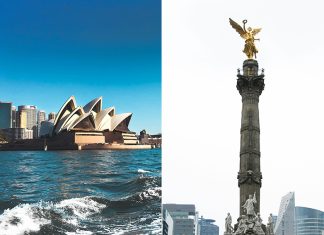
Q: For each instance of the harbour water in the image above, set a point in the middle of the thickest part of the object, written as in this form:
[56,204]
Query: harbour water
[80,192]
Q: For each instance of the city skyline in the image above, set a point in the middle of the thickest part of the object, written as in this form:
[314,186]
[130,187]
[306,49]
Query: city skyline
[53,50]
[49,112]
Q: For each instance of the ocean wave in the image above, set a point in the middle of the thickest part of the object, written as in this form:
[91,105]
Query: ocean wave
[139,183]
[21,219]
[135,227]
[141,197]
[72,215]
[141,171]
[26,218]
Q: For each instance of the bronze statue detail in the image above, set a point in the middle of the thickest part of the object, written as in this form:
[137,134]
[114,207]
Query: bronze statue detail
[249,48]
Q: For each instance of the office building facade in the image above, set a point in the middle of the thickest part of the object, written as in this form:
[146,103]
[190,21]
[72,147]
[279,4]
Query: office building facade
[41,116]
[309,221]
[13,117]
[286,216]
[5,115]
[31,112]
[207,227]
[180,219]
[51,116]
[296,220]
[13,134]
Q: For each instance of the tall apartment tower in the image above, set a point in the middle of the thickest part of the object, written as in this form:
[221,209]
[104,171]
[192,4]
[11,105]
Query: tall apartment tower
[286,216]
[31,112]
[180,219]
[5,115]
[21,119]
[41,116]
[51,116]
[207,227]
[13,117]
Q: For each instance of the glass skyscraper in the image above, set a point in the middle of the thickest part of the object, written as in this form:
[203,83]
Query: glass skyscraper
[207,227]
[5,115]
[297,220]
[309,221]
[286,216]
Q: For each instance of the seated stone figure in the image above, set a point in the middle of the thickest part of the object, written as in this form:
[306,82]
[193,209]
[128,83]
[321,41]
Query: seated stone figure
[242,226]
[257,228]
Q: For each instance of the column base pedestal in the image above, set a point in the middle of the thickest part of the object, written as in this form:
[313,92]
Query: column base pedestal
[249,226]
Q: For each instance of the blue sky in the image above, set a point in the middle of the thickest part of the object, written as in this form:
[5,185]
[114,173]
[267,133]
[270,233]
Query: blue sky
[50,50]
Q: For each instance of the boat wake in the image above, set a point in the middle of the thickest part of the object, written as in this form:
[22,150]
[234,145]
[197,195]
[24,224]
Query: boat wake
[78,215]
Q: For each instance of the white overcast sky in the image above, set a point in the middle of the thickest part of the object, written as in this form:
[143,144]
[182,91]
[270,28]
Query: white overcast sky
[202,108]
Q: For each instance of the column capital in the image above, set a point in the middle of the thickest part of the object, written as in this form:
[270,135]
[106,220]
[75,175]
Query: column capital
[250,84]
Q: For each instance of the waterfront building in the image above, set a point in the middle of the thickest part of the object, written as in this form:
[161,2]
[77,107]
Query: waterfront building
[5,115]
[41,116]
[13,117]
[21,119]
[78,128]
[179,219]
[308,221]
[207,227]
[31,112]
[13,134]
[46,127]
[286,216]
[145,138]
[51,115]
[92,124]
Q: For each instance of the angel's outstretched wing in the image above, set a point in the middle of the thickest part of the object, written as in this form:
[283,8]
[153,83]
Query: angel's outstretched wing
[237,27]
[255,31]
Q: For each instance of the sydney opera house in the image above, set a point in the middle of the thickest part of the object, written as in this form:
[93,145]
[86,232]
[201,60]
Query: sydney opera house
[89,127]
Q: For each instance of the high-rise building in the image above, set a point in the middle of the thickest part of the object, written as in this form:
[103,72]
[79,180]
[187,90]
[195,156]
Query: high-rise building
[286,216]
[31,111]
[179,219]
[308,221]
[298,220]
[13,134]
[41,116]
[51,116]
[21,119]
[13,117]
[5,115]
[207,227]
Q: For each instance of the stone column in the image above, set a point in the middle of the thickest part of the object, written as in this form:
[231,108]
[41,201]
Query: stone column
[250,85]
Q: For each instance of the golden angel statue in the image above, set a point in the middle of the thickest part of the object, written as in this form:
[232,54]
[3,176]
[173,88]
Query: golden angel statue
[249,48]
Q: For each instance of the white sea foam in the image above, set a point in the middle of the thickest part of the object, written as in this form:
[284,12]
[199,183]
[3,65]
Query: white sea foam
[30,217]
[81,207]
[141,171]
[20,219]
[151,193]
[133,228]
[79,232]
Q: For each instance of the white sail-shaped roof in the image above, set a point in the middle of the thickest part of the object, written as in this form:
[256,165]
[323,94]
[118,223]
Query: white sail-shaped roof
[89,118]
[75,115]
[86,121]
[94,105]
[64,112]
[103,119]
[118,119]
